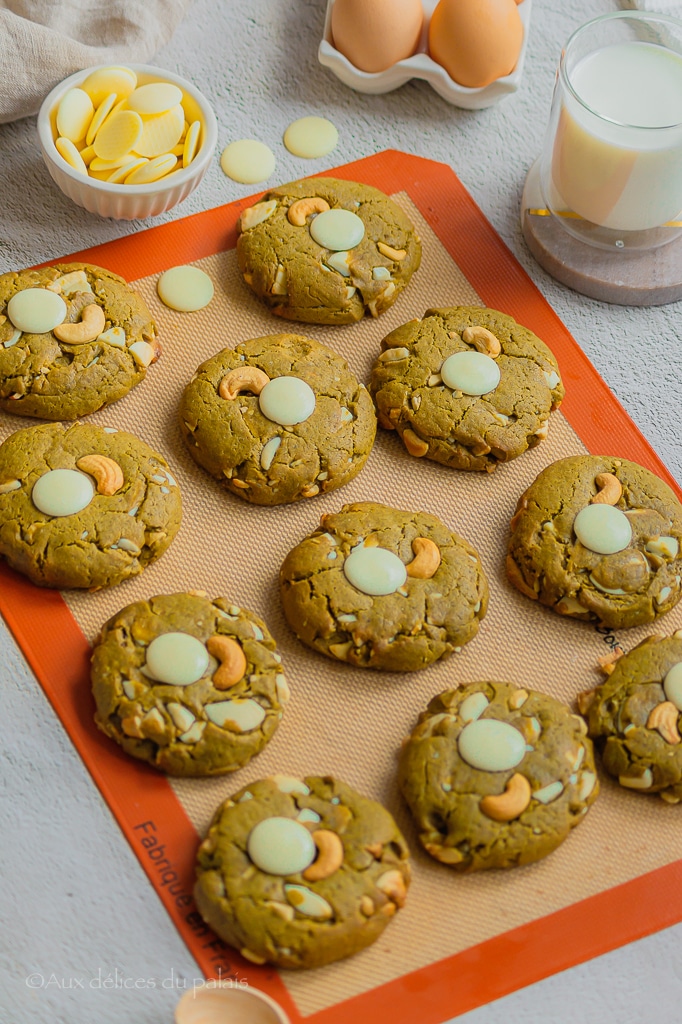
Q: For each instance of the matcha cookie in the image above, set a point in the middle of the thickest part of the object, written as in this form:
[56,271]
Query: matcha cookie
[598,538]
[73,338]
[190,685]
[301,873]
[325,251]
[380,588]
[278,419]
[466,386]
[634,717]
[83,506]
[496,775]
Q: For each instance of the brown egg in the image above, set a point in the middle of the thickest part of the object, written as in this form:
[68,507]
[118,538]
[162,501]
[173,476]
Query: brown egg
[374,34]
[476,41]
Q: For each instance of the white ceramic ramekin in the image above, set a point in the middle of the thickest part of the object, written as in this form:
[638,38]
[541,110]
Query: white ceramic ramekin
[128,202]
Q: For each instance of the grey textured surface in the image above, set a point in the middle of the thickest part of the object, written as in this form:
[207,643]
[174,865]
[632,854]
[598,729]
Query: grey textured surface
[78,907]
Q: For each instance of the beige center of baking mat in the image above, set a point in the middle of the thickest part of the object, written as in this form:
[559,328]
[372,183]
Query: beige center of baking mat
[350,722]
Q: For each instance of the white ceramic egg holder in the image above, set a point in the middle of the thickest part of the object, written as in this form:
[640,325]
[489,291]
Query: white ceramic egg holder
[420,65]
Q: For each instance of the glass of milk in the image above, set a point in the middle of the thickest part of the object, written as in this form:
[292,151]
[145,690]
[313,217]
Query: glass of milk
[611,167]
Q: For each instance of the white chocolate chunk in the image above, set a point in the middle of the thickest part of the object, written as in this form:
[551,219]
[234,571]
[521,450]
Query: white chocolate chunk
[287,400]
[36,310]
[491,745]
[74,115]
[247,161]
[311,137]
[282,687]
[474,373]
[548,793]
[185,288]
[288,784]
[129,689]
[114,336]
[9,485]
[381,273]
[142,352]
[552,379]
[337,229]
[672,685]
[269,451]
[13,339]
[177,659]
[237,715]
[281,846]
[194,733]
[588,781]
[182,717]
[643,781]
[62,492]
[605,590]
[67,284]
[473,706]
[155,98]
[307,814]
[338,261]
[666,547]
[663,595]
[374,571]
[603,528]
[307,902]
[256,214]
[129,546]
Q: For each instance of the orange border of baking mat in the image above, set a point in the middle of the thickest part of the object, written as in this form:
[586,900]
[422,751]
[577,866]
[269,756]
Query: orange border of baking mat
[144,803]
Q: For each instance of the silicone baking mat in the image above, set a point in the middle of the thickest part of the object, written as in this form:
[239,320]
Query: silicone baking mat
[461,940]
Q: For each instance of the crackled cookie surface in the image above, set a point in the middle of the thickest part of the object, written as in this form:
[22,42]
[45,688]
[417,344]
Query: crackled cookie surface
[466,386]
[191,685]
[325,251]
[382,588]
[84,506]
[73,338]
[496,775]
[634,718]
[301,872]
[278,419]
[598,538]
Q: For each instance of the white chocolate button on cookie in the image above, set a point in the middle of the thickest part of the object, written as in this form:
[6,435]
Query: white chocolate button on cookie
[185,288]
[375,571]
[62,492]
[672,684]
[247,161]
[337,229]
[287,400]
[311,137]
[177,659]
[119,80]
[473,373]
[36,310]
[281,846]
[490,745]
[603,528]
[118,135]
[238,715]
[155,98]
[69,152]
[74,115]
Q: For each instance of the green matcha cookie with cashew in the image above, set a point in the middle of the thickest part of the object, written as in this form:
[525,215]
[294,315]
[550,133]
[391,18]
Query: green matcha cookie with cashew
[381,588]
[466,386]
[84,506]
[598,538]
[634,717]
[191,685]
[496,775]
[301,872]
[325,251]
[278,419]
[73,338]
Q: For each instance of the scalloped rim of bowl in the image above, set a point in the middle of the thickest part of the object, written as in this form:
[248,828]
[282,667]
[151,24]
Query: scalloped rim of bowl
[199,164]
[420,65]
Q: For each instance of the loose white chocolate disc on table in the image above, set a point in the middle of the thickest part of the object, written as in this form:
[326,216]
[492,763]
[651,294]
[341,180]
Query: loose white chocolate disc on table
[152,170]
[490,745]
[62,492]
[191,144]
[74,115]
[311,137]
[247,161]
[603,528]
[102,112]
[161,132]
[375,571]
[474,373]
[672,684]
[36,310]
[118,135]
[281,846]
[155,98]
[242,715]
[69,152]
[228,1003]
[177,659]
[101,83]
[337,229]
[287,400]
[185,288]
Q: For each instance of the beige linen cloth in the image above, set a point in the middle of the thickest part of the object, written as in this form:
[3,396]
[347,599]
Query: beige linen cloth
[43,41]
